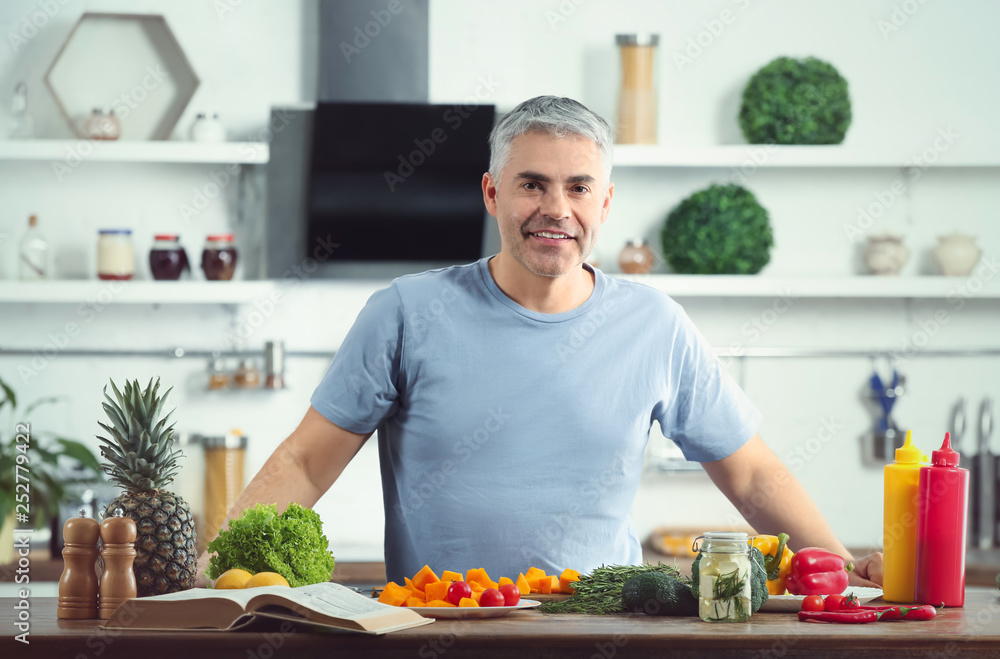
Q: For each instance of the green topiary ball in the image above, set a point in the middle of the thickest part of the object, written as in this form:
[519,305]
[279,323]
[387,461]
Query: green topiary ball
[720,230]
[792,101]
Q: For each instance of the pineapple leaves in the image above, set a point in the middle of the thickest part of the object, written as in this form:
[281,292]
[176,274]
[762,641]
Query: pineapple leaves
[139,454]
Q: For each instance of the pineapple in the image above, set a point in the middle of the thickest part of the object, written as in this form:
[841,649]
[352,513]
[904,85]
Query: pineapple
[139,457]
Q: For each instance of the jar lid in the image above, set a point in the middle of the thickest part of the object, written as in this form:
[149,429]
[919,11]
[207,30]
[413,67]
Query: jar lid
[166,236]
[639,39]
[219,237]
[127,232]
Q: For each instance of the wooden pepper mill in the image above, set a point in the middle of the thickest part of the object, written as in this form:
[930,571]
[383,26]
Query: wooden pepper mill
[118,581]
[78,583]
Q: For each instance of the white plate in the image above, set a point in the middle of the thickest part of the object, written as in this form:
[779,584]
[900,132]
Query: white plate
[471,612]
[794,602]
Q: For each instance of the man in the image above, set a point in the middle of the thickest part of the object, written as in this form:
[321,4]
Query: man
[513,396]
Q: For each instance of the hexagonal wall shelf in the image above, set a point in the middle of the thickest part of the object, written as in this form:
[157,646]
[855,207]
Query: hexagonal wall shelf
[129,62]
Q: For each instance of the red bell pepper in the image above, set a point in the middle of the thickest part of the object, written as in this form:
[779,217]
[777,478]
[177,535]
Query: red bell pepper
[818,572]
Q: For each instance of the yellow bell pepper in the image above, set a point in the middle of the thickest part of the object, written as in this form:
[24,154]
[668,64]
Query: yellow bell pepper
[777,560]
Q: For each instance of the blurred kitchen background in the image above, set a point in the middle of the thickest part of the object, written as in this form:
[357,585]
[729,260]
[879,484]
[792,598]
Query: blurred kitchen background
[217,106]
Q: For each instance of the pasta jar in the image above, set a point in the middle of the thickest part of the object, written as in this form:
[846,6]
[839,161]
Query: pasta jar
[724,577]
[115,255]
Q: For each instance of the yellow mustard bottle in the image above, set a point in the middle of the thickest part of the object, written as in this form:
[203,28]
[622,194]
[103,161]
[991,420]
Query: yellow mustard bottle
[899,525]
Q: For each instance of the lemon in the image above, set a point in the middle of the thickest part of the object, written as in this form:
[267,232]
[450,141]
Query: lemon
[266,579]
[235,578]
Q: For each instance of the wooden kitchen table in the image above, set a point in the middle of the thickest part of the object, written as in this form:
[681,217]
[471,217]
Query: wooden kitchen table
[973,631]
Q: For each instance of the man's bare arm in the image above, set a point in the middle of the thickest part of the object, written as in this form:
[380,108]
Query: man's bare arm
[301,469]
[773,501]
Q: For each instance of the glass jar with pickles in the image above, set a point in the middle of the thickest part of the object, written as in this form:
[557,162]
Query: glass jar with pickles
[724,578]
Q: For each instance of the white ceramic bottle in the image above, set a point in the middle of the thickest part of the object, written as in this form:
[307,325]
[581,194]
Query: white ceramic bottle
[33,253]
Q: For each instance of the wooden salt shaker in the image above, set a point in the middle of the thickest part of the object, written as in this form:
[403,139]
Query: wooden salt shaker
[118,581]
[78,583]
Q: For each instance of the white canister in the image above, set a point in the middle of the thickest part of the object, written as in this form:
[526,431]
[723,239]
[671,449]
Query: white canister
[115,254]
[957,255]
[208,129]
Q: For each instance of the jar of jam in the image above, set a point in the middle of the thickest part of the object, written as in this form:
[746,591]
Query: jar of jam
[115,255]
[218,259]
[167,259]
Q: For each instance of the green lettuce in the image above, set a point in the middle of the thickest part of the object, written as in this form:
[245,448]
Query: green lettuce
[291,544]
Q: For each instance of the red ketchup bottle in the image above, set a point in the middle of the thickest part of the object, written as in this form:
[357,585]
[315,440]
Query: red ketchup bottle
[942,511]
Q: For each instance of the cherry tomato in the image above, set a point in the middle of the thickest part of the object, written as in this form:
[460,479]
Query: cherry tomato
[833,603]
[457,590]
[511,594]
[491,597]
[813,603]
[850,602]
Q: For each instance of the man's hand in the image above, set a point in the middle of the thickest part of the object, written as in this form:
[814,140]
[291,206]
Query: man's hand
[867,571]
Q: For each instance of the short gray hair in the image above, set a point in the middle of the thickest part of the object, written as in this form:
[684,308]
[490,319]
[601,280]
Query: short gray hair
[555,116]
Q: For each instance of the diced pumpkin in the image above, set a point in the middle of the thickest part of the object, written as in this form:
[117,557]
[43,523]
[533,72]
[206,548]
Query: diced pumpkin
[476,586]
[476,594]
[535,572]
[503,581]
[566,579]
[534,584]
[437,590]
[522,584]
[478,575]
[439,603]
[468,601]
[548,584]
[448,575]
[414,601]
[394,595]
[412,586]
[423,577]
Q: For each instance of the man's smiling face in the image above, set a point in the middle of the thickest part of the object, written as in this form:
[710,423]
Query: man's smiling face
[551,202]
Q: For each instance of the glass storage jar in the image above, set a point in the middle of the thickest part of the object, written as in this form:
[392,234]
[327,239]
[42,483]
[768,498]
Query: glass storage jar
[724,577]
[115,254]
[218,259]
[167,259]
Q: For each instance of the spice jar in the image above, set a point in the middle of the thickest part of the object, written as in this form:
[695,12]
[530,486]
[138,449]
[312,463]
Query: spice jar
[102,124]
[218,259]
[274,365]
[167,259]
[246,376]
[636,123]
[115,255]
[636,258]
[218,378]
[724,577]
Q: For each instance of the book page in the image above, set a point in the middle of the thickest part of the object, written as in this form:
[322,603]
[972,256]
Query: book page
[239,595]
[335,601]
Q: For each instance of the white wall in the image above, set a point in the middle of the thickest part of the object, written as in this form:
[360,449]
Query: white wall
[932,73]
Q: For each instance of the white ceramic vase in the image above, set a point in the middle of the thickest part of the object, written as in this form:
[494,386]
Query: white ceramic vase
[957,255]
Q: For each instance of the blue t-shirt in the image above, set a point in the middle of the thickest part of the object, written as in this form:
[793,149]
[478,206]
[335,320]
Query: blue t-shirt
[510,438]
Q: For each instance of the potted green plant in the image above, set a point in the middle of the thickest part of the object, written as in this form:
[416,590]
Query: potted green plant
[721,230]
[40,458]
[796,101]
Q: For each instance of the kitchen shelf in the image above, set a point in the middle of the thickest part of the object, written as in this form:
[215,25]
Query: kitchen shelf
[239,292]
[819,287]
[739,155]
[135,292]
[248,153]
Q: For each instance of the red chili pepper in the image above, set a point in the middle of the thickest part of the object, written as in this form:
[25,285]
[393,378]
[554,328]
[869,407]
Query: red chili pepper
[843,617]
[923,612]
[818,572]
